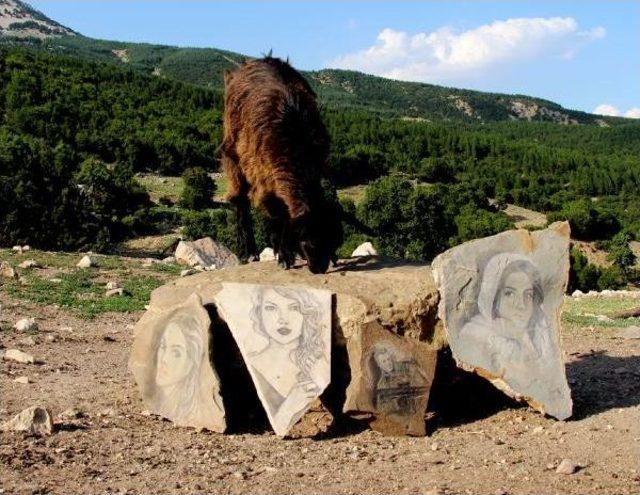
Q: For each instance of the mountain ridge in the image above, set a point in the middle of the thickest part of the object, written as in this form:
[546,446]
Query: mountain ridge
[335,87]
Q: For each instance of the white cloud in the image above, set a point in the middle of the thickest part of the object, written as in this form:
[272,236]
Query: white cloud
[446,55]
[633,113]
[611,111]
[606,109]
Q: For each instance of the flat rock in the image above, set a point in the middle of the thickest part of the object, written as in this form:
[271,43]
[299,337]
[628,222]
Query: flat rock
[86,262]
[169,260]
[24,380]
[391,378]
[171,365]
[18,356]
[205,253]
[112,285]
[364,249]
[35,420]
[26,325]
[284,335]
[567,466]
[119,291]
[501,304]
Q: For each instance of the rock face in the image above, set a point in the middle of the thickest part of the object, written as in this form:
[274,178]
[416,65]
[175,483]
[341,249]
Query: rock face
[170,362]
[205,253]
[34,420]
[391,378]
[267,254]
[501,301]
[284,335]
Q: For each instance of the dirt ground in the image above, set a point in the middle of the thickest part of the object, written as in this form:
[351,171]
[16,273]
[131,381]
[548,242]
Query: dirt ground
[475,445]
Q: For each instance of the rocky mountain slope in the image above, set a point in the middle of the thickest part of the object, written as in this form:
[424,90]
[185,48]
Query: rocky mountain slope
[337,88]
[19,20]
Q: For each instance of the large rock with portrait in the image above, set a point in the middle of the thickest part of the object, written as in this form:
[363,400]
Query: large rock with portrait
[171,365]
[323,313]
[284,335]
[501,302]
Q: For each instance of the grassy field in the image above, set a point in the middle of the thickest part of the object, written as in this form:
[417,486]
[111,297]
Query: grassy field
[159,186]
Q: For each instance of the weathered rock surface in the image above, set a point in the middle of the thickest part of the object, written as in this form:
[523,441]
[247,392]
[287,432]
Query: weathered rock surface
[501,302]
[401,296]
[35,420]
[18,356]
[26,325]
[206,253]
[284,335]
[364,249]
[391,378]
[171,365]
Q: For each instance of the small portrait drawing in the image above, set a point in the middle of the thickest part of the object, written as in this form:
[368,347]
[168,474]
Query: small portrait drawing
[397,382]
[286,349]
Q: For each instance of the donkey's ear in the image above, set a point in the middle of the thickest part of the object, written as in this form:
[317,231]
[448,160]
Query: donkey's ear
[227,77]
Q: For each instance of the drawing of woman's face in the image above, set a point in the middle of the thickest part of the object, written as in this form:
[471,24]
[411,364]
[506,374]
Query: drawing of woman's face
[384,360]
[174,364]
[516,300]
[281,317]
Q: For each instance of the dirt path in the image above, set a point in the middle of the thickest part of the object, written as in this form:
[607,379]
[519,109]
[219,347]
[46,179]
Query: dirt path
[487,448]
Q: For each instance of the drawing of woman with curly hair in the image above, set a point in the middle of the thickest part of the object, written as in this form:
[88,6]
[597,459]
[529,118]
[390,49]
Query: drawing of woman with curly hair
[290,353]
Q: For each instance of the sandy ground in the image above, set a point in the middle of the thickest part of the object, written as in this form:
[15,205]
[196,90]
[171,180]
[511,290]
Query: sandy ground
[476,444]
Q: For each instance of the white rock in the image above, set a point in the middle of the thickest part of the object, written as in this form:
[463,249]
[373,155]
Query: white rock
[567,466]
[19,356]
[17,249]
[577,293]
[169,260]
[22,379]
[26,247]
[187,272]
[364,249]
[35,420]
[267,254]
[26,264]
[86,262]
[26,325]
[55,280]
[7,271]
[112,285]
[114,292]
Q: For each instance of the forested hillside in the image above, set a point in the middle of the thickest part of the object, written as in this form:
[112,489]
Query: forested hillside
[74,133]
[336,88]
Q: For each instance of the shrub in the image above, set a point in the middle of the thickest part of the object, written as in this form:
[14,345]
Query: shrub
[198,189]
[473,223]
[586,220]
[620,253]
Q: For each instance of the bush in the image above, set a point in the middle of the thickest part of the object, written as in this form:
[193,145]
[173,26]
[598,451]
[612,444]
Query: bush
[473,223]
[585,276]
[198,189]
[587,221]
[620,253]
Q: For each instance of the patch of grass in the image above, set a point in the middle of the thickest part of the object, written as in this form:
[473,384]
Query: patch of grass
[158,186]
[169,268]
[79,292]
[44,258]
[583,312]
[354,193]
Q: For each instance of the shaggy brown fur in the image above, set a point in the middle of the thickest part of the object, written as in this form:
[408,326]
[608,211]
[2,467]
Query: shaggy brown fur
[274,150]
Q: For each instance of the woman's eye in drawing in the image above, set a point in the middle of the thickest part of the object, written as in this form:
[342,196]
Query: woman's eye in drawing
[294,307]
[269,307]
[508,293]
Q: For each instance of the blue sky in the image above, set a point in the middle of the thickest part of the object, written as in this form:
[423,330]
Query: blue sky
[581,54]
